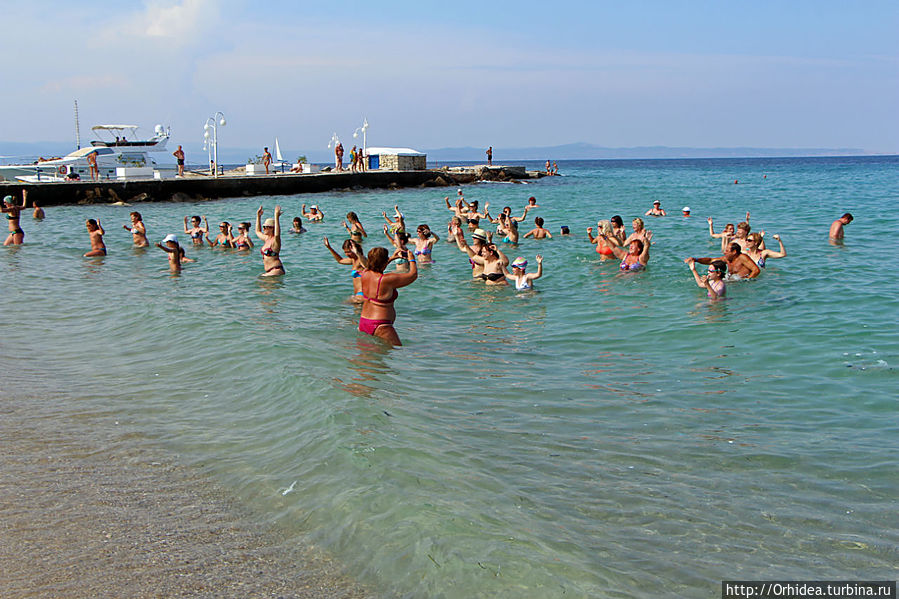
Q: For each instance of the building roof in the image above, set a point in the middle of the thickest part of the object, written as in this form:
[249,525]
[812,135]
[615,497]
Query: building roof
[374,150]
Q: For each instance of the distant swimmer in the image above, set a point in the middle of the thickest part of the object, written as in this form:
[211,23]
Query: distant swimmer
[713,282]
[539,232]
[685,211]
[565,231]
[532,203]
[354,257]
[270,234]
[315,214]
[380,292]
[519,277]
[297,227]
[38,213]
[96,232]
[138,230]
[13,212]
[739,264]
[836,228]
[656,210]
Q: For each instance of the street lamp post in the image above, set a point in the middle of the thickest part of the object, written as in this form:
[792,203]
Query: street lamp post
[211,123]
[364,129]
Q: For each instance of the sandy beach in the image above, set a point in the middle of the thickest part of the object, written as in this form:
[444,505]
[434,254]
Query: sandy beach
[80,520]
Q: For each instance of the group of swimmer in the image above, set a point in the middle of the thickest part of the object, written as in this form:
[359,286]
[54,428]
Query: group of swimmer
[744,253]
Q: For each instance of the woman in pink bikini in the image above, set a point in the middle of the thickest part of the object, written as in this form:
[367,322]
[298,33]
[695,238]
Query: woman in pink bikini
[380,291]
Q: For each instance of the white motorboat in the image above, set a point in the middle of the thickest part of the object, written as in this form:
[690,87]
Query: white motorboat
[116,155]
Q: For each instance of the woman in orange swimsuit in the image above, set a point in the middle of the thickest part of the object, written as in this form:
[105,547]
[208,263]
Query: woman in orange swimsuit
[380,291]
[605,240]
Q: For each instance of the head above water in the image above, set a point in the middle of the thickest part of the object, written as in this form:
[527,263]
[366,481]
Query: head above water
[638,224]
[520,263]
[744,226]
[847,218]
[538,221]
[718,267]
[733,250]
[616,221]
[377,259]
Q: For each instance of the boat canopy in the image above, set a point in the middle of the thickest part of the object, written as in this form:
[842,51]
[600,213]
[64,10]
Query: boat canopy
[112,127]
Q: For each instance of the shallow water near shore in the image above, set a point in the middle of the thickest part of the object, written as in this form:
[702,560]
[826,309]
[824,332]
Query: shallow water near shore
[607,436]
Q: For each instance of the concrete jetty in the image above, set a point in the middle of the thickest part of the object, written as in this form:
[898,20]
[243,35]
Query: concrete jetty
[231,185]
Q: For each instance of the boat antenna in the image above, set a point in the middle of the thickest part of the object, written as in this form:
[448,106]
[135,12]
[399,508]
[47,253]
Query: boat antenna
[77,128]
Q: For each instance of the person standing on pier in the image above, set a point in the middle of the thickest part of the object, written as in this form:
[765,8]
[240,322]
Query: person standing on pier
[266,159]
[179,156]
[94,169]
[490,156]
[338,156]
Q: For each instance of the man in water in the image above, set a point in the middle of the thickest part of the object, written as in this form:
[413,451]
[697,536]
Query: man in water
[179,156]
[686,211]
[739,265]
[656,210]
[836,228]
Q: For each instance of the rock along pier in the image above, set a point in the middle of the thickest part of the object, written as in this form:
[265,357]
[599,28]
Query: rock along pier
[230,185]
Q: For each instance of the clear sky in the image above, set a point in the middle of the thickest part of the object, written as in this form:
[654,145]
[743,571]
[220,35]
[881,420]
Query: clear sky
[784,73]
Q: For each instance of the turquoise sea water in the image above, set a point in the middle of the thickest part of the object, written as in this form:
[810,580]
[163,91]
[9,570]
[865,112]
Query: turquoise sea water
[607,436]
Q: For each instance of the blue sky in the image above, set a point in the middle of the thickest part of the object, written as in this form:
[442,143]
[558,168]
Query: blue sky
[430,75]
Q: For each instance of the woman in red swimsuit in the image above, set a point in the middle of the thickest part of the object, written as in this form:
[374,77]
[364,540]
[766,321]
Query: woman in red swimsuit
[605,240]
[380,291]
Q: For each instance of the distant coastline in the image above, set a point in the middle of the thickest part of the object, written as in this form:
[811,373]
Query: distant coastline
[575,151]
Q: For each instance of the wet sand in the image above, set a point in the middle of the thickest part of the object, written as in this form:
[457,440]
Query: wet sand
[83,516]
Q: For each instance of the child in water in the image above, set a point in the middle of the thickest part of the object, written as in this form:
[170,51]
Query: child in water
[96,232]
[519,277]
[539,232]
[175,252]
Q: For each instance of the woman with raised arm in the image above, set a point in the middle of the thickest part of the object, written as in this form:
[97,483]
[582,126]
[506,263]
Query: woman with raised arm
[605,240]
[176,254]
[639,232]
[355,228]
[13,212]
[521,279]
[492,261]
[399,241]
[713,282]
[138,230]
[270,234]
[195,231]
[380,292]
[453,228]
[352,256]
[225,238]
[315,214]
[96,232]
[759,256]
[242,241]
[472,216]
[424,244]
[727,232]
[637,255]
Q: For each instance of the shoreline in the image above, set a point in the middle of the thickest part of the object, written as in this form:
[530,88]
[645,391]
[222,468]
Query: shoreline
[92,518]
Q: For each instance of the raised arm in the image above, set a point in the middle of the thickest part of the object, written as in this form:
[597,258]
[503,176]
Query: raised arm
[340,259]
[278,226]
[521,218]
[711,229]
[691,262]
[401,279]
[186,230]
[644,255]
[259,224]
[205,224]
[772,253]
[539,272]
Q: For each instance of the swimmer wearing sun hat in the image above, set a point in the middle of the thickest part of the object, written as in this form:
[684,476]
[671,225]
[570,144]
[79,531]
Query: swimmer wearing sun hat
[685,211]
[315,214]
